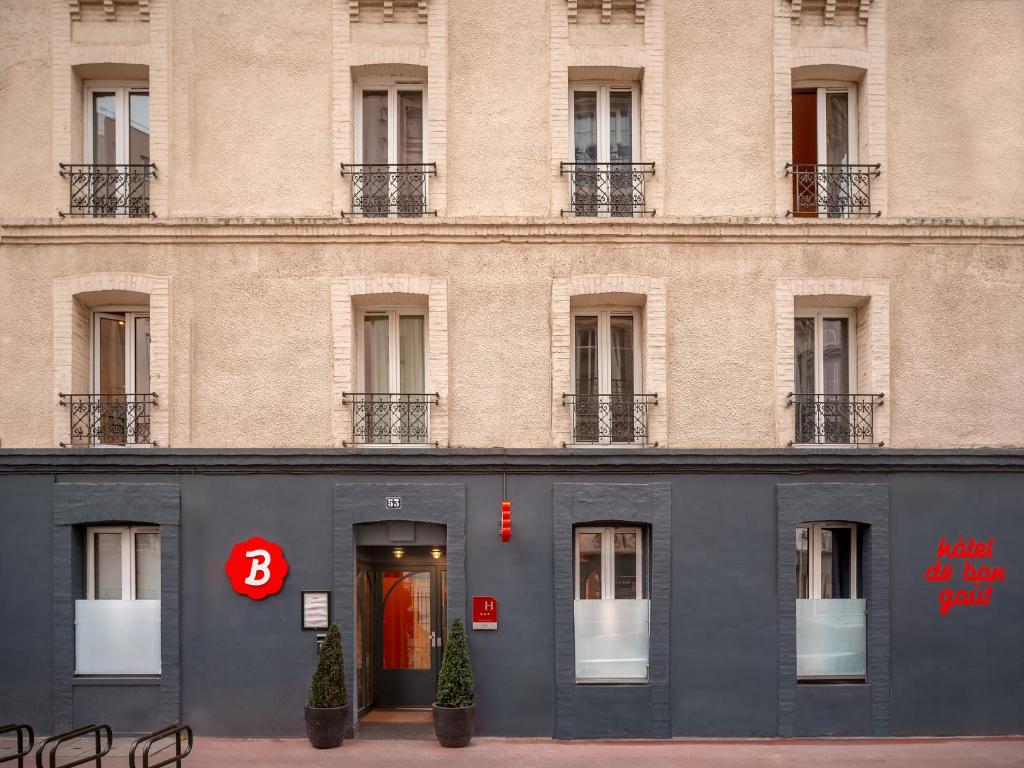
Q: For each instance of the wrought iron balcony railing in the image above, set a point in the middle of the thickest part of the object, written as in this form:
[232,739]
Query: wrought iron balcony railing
[607,189]
[108,190]
[383,190]
[390,419]
[120,419]
[835,419]
[606,419]
[832,191]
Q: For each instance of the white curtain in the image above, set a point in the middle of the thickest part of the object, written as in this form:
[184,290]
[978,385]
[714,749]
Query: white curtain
[410,349]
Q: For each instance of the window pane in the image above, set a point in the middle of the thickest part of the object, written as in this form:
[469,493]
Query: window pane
[837,127]
[147,566]
[410,349]
[111,356]
[836,554]
[375,126]
[107,566]
[585,126]
[612,639]
[590,565]
[104,128]
[586,356]
[804,355]
[406,620]
[625,565]
[803,564]
[410,126]
[836,355]
[141,354]
[622,355]
[620,127]
[117,637]
[375,353]
[138,121]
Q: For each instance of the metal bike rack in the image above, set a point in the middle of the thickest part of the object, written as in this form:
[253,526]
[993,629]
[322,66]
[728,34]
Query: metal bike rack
[150,739]
[96,758]
[22,731]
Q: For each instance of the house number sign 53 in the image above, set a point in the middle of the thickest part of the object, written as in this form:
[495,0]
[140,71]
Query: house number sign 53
[394,502]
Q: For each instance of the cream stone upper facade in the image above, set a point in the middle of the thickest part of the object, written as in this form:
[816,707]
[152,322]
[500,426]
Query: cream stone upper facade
[254,270]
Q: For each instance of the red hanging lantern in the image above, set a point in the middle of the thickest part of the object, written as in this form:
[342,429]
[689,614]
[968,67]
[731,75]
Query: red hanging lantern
[506,520]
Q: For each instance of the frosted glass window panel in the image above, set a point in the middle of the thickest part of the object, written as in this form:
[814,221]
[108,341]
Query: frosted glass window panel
[620,126]
[612,639]
[589,547]
[830,638]
[585,126]
[147,566]
[108,558]
[117,637]
[625,565]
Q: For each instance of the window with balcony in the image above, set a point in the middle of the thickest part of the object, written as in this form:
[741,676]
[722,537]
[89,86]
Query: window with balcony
[117,625]
[828,182]
[611,607]
[393,407]
[114,179]
[830,611]
[606,403]
[390,175]
[826,406]
[117,409]
[606,177]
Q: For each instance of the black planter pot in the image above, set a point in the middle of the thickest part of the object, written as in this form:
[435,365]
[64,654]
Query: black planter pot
[453,726]
[325,726]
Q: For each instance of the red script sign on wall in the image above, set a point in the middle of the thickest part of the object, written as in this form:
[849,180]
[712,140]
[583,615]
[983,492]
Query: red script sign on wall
[256,568]
[485,612]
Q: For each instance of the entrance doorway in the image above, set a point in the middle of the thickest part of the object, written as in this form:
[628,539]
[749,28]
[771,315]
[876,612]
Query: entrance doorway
[401,618]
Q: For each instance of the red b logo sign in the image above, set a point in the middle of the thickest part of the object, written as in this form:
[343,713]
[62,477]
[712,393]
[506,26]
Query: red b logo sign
[256,568]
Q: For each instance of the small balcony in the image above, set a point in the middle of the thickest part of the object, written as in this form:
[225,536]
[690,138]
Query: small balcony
[835,419]
[609,419]
[108,190]
[390,190]
[607,189]
[390,419]
[832,191]
[109,420]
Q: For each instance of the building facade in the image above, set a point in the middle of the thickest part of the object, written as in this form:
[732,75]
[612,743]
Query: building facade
[725,299]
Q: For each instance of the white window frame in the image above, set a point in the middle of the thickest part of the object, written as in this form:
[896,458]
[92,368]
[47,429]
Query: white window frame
[820,314]
[604,91]
[128,533]
[604,339]
[814,537]
[121,89]
[608,559]
[392,87]
[393,312]
[129,314]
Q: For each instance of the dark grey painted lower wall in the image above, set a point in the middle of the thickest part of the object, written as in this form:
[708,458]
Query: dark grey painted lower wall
[245,665]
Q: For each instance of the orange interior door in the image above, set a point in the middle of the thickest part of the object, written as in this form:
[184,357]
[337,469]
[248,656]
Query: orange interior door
[805,152]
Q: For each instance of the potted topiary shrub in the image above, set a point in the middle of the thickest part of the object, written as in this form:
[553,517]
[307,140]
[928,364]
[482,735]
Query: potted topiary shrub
[327,708]
[455,708]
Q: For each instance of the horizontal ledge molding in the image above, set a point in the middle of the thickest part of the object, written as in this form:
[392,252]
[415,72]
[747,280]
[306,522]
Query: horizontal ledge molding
[518,461]
[521,229]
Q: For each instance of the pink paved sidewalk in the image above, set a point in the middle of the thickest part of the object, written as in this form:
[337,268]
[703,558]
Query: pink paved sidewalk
[544,753]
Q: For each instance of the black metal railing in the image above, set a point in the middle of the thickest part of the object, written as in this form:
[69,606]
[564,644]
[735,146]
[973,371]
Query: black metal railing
[832,191]
[150,740]
[118,419]
[390,419]
[52,744]
[835,419]
[600,419]
[108,190]
[395,189]
[23,733]
[607,189]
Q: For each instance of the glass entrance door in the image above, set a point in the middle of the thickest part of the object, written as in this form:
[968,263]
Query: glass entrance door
[408,619]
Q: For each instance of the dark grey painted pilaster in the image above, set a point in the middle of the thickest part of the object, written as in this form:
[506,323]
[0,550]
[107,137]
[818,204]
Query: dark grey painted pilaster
[868,505]
[647,504]
[354,503]
[115,503]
